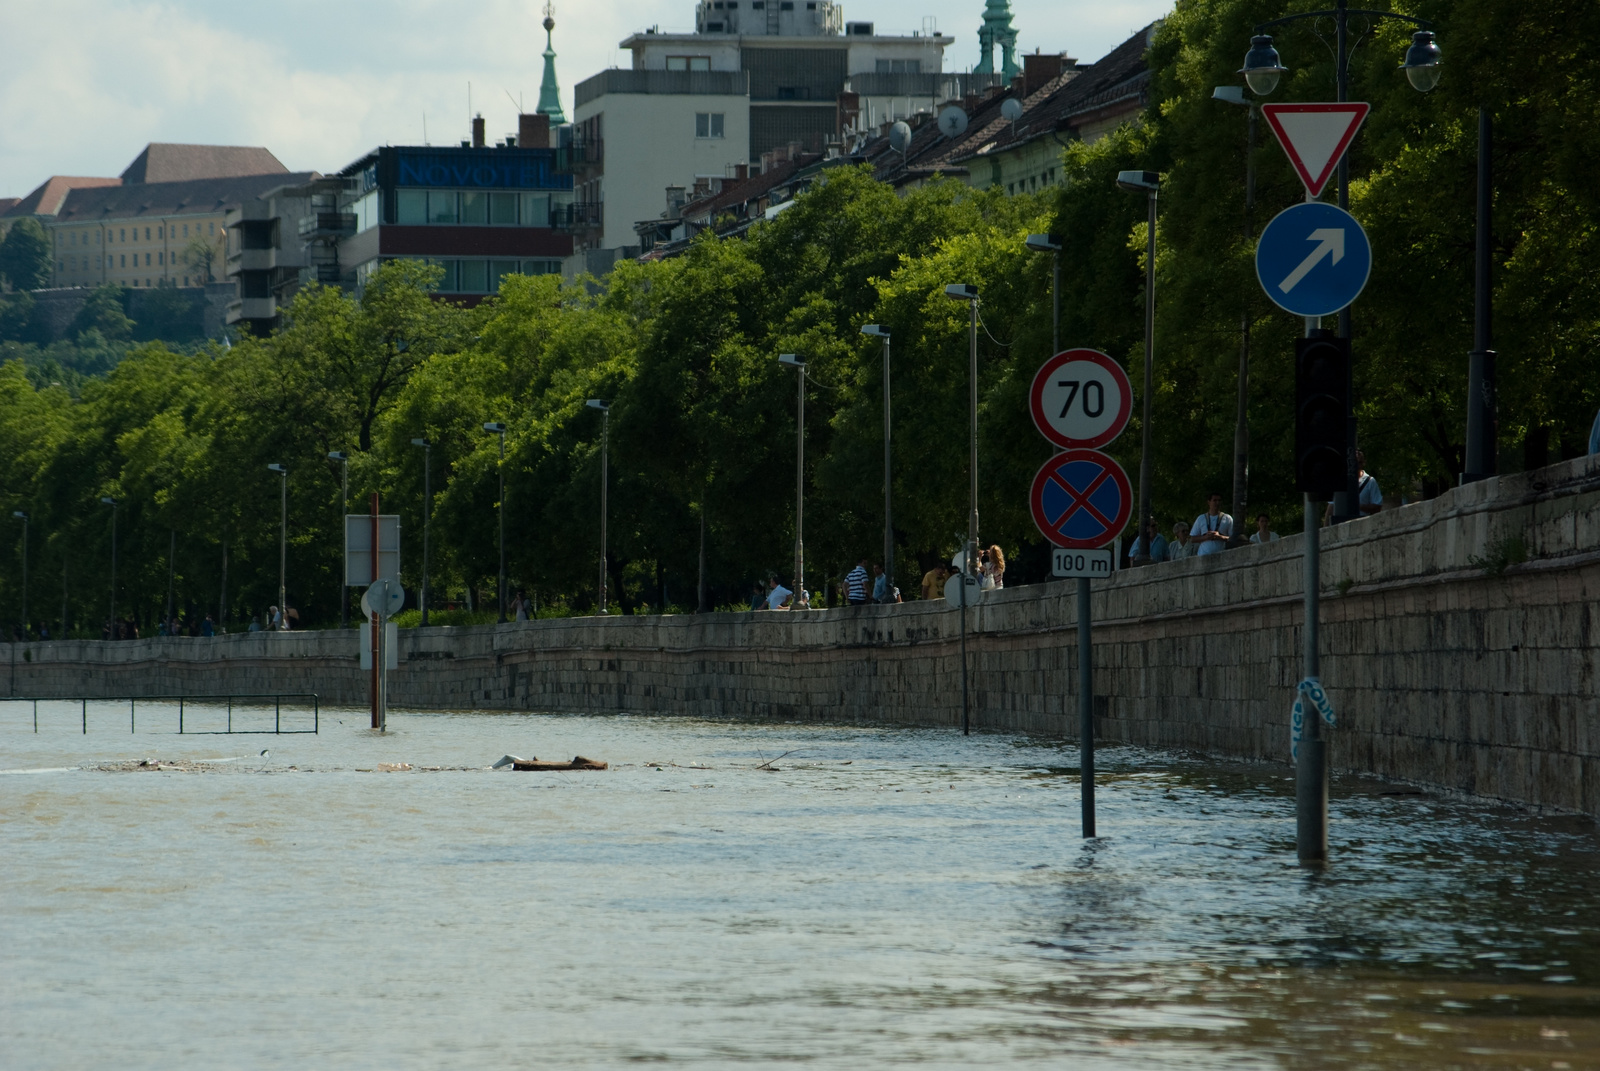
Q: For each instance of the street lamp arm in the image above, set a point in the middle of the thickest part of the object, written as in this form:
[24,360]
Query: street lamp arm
[1263,27]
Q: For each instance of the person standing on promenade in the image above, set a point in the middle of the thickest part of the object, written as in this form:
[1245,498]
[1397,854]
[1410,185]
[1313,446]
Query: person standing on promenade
[855,584]
[1157,549]
[1212,528]
[880,585]
[1263,532]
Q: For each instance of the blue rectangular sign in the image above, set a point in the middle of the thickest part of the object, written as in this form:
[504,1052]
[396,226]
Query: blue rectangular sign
[500,169]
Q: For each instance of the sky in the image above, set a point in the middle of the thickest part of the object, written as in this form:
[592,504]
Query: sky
[85,84]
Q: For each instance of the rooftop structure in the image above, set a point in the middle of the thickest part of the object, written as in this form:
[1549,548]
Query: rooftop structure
[549,88]
[162,162]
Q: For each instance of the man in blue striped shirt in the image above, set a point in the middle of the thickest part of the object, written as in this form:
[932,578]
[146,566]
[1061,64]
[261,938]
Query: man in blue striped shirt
[855,584]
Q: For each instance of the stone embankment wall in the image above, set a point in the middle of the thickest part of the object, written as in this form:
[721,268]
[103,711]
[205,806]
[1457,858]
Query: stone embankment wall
[1459,644]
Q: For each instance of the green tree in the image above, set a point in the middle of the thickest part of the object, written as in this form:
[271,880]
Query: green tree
[25,255]
[104,311]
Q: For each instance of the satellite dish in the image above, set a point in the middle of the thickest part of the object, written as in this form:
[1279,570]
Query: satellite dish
[1011,109]
[900,137]
[952,122]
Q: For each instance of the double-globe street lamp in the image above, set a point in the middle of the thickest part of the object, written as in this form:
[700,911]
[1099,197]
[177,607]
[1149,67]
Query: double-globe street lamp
[969,559]
[1044,243]
[1147,183]
[1262,70]
[1241,421]
[605,479]
[495,427]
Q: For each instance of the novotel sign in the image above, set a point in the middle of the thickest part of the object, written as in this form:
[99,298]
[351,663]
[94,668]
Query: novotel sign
[499,169]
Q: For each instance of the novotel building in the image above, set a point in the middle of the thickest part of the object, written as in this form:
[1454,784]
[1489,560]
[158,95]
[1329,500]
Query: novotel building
[481,212]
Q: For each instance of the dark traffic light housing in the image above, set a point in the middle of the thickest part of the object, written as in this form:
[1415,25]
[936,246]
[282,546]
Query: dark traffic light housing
[1322,447]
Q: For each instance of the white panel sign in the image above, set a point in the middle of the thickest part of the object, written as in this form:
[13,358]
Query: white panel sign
[391,645]
[1089,563]
[358,548]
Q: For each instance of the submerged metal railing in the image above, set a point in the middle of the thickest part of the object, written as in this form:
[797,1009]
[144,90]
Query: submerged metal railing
[276,698]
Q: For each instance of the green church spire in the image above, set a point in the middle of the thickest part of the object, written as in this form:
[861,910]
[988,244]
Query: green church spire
[997,30]
[549,88]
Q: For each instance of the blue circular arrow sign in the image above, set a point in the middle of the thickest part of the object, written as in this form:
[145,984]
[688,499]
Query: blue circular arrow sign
[1313,259]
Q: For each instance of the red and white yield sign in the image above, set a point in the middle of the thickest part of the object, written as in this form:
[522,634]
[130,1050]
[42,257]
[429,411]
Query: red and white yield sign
[1081,499]
[1080,399]
[1315,136]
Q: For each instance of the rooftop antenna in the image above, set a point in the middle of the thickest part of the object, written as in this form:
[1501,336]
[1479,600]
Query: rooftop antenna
[425,140]
[516,100]
[469,103]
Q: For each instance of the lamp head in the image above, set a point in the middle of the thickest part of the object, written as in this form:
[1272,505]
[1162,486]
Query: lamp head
[1422,61]
[1138,181]
[279,469]
[790,359]
[108,500]
[1262,67]
[495,427]
[338,455]
[961,292]
[1230,95]
[1043,243]
[21,515]
[421,442]
[875,330]
[598,403]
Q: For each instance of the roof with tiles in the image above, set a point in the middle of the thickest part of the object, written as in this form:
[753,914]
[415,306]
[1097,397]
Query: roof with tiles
[47,198]
[164,162]
[201,196]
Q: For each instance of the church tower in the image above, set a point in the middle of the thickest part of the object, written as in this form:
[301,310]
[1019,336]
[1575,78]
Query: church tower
[549,88]
[997,30]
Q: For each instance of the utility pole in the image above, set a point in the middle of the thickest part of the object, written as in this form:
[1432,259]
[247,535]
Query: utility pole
[497,428]
[344,508]
[605,481]
[283,544]
[427,517]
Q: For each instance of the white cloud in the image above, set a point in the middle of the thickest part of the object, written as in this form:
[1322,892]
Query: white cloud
[87,83]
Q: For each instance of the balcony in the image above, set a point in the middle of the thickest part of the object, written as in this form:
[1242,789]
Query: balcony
[328,274]
[251,309]
[252,260]
[580,154]
[579,216]
[328,225]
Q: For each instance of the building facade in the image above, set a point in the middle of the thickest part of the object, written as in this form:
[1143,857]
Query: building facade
[755,76]
[480,212]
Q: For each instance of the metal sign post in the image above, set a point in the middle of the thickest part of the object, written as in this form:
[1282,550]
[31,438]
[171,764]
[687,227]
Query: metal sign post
[1081,500]
[372,552]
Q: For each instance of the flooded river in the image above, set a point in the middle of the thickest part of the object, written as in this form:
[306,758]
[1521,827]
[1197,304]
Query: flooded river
[731,894]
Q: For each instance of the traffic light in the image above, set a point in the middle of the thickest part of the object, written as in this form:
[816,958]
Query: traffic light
[1322,413]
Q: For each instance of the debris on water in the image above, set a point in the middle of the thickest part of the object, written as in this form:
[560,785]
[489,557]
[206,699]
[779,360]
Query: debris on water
[393,767]
[578,763]
[507,760]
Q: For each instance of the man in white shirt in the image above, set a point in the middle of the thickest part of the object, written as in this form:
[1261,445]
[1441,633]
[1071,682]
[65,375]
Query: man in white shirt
[1212,528]
[1263,532]
[777,596]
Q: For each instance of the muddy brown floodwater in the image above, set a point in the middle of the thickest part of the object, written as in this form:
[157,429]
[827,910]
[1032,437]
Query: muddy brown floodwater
[730,894]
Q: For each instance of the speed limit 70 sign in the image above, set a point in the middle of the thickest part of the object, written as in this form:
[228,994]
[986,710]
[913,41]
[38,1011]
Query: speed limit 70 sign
[1081,399]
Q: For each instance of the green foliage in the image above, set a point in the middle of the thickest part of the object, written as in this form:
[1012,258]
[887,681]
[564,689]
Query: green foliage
[25,255]
[702,432]
[105,311]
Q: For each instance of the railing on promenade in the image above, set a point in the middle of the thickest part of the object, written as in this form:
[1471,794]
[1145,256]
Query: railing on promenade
[246,702]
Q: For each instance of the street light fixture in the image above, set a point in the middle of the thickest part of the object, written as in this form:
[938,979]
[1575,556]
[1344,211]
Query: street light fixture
[1147,183]
[799,478]
[1262,66]
[879,331]
[494,427]
[344,499]
[22,515]
[283,545]
[605,480]
[1043,243]
[1241,421]
[427,518]
[112,502]
[1422,62]
[969,559]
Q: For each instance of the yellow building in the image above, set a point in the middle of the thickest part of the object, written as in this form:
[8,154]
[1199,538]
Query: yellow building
[160,223]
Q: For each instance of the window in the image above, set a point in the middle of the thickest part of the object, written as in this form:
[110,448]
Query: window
[160,232]
[899,66]
[474,206]
[758,5]
[499,269]
[186,283]
[366,211]
[411,206]
[503,208]
[442,206]
[447,283]
[122,235]
[161,259]
[708,124]
[147,260]
[787,5]
[473,277]
[213,228]
[536,210]
[147,234]
[186,234]
[124,259]
[688,63]
[541,267]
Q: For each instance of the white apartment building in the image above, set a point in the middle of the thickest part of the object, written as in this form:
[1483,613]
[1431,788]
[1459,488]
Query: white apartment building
[756,75]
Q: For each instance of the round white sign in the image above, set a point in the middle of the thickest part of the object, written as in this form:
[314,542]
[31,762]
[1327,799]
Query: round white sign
[1081,399]
[383,597]
[959,583]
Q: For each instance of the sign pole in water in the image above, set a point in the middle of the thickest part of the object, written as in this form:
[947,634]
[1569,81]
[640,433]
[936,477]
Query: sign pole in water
[1081,499]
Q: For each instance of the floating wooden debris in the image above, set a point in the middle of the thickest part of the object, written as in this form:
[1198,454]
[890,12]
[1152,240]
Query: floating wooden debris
[578,763]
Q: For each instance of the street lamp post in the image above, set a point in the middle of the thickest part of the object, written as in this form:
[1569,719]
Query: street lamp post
[427,518]
[1043,243]
[1241,419]
[1262,69]
[882,332]
[1147,183]
[23,517]
[605,480]
[283,544]
[112,502]
[344,509]
[799,478]
[969,559]
[497,428]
